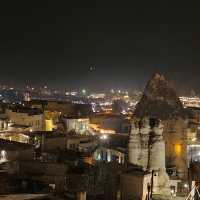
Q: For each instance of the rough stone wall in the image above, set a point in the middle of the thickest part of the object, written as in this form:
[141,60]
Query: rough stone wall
[146,146]
[176,147]
[134,146]
[171,150]
[144,157]
[138,143]
[152,152]
[157,156]
[157,149]
[134,186]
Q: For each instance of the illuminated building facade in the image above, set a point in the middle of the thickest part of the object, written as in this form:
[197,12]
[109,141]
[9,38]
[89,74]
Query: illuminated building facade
[26,117]
[79,125]
[51,119]
[190,101]
[109,155]
[14,136]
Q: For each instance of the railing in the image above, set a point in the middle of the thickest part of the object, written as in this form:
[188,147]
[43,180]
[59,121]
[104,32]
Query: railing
[193,193]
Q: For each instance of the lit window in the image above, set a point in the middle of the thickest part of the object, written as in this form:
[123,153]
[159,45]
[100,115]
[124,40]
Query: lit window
[178,149]
[3,156]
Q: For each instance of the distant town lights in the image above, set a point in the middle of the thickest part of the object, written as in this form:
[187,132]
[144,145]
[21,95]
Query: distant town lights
[73,93]
[124,112]
[104,137]
[83,91]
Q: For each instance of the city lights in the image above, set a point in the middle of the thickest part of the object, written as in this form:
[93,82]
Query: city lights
[104,137]
[100,101]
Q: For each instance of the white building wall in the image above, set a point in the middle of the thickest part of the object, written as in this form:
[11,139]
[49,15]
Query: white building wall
[36,122]
[77,125]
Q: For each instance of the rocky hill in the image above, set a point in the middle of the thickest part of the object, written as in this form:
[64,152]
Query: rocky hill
[159,100]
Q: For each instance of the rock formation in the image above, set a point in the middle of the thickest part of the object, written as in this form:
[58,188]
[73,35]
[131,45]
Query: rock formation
[159,100]
[147,149]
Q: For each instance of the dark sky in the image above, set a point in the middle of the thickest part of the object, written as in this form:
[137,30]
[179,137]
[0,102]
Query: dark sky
[55,43]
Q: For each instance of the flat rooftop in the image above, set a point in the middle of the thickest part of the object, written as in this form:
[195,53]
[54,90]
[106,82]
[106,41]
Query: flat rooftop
[23,109]
[13,146]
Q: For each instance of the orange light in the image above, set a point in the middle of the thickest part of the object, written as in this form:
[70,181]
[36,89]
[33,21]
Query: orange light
[178,149]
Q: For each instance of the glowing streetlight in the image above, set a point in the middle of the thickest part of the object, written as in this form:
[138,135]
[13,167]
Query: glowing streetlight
[84,91]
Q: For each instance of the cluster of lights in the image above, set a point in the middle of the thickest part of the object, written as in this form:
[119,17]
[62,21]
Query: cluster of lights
[104,137]
[107,103]
[124,112]
[97,96]
[190,101]
[71,93]
[78,102]
[118,91]
[96,128]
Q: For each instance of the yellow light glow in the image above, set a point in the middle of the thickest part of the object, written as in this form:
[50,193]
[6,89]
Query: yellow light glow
[178,149]
[49,125]
[96,127]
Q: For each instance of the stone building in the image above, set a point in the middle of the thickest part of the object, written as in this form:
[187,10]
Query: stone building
[77,124]
[135,185]
[12,151]
[73,142]
[113,122]
[25,116]
[147,149]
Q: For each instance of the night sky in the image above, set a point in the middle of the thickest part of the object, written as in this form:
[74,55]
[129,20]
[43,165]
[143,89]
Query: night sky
[55,43]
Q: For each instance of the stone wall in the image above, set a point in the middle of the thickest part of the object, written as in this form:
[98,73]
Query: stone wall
[176,145]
